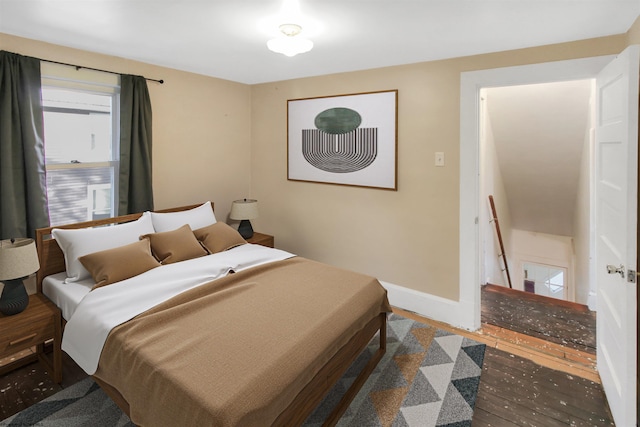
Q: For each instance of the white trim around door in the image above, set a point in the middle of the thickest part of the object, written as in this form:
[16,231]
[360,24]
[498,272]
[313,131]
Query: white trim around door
[468,308]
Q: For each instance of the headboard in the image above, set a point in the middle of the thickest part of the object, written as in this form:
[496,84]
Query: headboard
[50,255]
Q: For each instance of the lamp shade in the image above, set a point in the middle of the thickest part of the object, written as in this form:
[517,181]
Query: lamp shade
[244,209]
[18,258]
[290,42]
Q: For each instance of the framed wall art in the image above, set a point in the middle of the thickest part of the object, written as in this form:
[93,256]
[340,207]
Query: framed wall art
[344,139]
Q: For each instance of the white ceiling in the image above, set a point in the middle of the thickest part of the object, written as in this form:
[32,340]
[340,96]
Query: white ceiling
[539,133]
[227,39]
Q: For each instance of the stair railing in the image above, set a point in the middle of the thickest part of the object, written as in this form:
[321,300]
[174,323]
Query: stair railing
[502,254]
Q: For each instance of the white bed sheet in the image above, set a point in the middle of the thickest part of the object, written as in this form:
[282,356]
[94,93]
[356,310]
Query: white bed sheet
[66,296]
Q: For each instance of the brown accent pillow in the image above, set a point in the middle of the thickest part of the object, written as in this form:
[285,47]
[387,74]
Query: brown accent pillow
[113,265]
[219,237]
[176,245]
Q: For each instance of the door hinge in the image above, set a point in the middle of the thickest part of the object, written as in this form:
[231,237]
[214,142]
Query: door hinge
[631,276]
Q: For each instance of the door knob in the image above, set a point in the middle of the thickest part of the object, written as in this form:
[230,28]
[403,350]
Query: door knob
[612,269]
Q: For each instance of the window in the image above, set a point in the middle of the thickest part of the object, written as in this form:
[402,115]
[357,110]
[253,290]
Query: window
[545,280]
[81,129]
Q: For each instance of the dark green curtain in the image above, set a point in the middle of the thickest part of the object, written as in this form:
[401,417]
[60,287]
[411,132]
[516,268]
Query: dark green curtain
[23,183]
[135,187]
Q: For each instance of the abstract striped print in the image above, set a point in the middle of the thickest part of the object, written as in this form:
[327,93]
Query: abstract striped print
[340,153]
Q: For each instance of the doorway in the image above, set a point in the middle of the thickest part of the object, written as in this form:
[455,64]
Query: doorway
[536,151]
[471,84]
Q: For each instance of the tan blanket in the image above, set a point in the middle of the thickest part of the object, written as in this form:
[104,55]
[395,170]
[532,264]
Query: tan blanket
[236,352]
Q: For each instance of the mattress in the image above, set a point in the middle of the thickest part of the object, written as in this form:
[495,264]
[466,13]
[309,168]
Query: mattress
[66,296]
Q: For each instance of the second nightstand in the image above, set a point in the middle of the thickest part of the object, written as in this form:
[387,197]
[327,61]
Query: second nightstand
[261,239]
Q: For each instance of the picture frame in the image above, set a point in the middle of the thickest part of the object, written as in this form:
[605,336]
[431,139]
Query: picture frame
[344,139]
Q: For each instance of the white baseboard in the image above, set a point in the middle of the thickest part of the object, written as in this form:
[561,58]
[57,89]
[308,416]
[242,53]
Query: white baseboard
[454,313]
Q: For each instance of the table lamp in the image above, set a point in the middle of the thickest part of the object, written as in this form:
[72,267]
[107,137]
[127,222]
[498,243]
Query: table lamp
[244,210]
[18,259]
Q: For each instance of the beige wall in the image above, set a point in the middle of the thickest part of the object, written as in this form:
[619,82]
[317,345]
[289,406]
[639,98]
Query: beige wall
[409,237]
[201,127]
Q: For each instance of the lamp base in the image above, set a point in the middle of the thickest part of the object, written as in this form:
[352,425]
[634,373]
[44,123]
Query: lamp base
[245,229]
[14,298]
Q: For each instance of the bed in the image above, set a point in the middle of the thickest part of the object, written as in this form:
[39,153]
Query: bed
[238,335]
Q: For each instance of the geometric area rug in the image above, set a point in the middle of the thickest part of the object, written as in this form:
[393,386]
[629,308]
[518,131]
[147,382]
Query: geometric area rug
[427,377]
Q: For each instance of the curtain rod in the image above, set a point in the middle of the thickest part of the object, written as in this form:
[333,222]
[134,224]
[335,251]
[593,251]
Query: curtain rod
[78,67]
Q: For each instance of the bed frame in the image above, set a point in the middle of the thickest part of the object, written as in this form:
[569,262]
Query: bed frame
[52,261]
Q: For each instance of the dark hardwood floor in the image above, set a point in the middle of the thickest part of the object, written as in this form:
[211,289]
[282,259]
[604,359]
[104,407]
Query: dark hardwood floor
[514,391]
[561,322]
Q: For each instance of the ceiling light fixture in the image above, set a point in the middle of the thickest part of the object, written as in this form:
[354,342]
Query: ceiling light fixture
[290,43]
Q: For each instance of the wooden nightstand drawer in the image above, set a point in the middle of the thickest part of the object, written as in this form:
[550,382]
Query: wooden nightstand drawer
[15,341]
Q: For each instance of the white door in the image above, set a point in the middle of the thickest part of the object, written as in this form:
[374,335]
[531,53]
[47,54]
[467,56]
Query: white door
[616,227]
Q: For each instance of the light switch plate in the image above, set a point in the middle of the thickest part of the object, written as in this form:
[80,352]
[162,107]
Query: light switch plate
[439,158]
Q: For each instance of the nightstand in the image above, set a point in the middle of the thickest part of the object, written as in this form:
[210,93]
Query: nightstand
[261,239]
[39,322]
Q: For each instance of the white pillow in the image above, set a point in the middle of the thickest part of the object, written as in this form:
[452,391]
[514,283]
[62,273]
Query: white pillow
[83,241]
[199,217]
